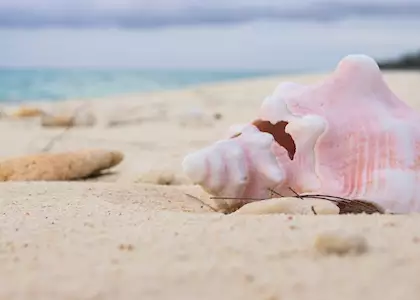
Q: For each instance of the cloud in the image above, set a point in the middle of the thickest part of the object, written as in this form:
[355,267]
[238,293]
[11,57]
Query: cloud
[158,13]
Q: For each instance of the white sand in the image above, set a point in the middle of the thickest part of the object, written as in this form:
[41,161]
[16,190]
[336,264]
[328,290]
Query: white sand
[118,238]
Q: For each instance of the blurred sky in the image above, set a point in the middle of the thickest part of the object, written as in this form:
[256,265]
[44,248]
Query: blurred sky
[196,34]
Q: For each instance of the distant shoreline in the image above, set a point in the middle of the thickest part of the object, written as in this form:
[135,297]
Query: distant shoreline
[57,87]
[23,85]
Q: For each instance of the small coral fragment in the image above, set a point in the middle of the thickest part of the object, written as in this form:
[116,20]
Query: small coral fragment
[26,112]
[58,166]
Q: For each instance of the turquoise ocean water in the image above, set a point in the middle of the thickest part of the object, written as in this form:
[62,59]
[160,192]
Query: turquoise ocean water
[20,85]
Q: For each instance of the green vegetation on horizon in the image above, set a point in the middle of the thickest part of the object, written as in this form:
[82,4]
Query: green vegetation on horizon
[410,61]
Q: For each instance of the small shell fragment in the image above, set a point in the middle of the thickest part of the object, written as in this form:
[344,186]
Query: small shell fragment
[196,117]
[290,205]
[340,243]
[162,177]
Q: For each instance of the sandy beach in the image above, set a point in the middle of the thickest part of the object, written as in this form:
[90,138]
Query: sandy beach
[135,234]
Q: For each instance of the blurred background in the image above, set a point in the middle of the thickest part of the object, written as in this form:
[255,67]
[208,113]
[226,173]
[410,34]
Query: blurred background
[63,49]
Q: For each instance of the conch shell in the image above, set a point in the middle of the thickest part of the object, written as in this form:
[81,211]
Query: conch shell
[348,136]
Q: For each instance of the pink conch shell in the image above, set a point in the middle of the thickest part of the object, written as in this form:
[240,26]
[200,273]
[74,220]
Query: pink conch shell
[348,136]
